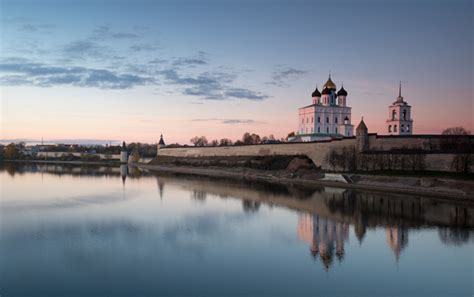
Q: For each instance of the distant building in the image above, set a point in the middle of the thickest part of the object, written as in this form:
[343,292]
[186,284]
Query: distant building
[399,120]
[124,153]
[161,143]
[327,117]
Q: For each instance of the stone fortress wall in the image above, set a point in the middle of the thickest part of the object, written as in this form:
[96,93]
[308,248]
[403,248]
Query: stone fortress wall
[317,151]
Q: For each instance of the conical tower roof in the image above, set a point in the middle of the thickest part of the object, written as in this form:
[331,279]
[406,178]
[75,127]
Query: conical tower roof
[361,126]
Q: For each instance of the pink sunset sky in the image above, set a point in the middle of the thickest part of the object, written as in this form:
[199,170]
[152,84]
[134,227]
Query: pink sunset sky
[229,69]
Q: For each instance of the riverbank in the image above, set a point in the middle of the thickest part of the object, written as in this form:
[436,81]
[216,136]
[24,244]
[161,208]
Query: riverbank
[446,188]
[103,163]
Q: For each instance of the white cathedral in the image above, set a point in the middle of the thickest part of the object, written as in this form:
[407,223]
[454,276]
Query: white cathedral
[327,117]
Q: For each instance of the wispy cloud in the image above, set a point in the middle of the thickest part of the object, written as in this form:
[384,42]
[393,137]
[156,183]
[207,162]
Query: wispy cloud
[31,27]
[23,72]
[80,49]
[241,93]
[283,75]
[144,47]
[123,67]
[229,121]
[210,85]
[105,32]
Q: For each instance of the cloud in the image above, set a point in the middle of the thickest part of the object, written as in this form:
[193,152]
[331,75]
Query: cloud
[105,32]
[144,47]
[282,75]
[210,85]
[157,61]
[30,27]
[15,72]
[200,59]
[84,48]
[189,62]
[229,121]
[245,94]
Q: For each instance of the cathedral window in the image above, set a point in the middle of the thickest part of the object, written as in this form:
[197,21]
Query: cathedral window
[389,128]
[402,128]
[408,128]
[404,114]
[394,114]
[327,129]
[319,119]
[335,120]
[394,128]
[336,129]
[327,120]
[319,130]
[312,119]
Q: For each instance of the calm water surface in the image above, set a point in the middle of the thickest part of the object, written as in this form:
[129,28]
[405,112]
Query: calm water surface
[82,231]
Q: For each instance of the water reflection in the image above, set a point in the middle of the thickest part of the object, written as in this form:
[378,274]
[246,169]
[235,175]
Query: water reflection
[325,237]
[150,225]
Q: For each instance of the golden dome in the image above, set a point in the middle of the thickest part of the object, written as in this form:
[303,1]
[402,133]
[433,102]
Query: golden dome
[330,84]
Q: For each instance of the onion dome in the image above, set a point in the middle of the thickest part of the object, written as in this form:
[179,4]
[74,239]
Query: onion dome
[326,91]
[342,92]
[330,84]
[316,93]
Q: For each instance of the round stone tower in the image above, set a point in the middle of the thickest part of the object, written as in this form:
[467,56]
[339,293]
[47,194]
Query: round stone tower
[362,136]
[124,154]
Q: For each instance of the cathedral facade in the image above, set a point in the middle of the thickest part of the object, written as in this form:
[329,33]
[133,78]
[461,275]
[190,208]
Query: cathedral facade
[328,116]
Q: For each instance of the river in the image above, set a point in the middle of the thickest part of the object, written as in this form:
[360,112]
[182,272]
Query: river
[110,231]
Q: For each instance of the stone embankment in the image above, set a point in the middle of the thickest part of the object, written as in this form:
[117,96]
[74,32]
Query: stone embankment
[300,170]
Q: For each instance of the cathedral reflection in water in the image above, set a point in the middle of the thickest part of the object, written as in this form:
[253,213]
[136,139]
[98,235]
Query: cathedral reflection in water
[325,215]
[326,237]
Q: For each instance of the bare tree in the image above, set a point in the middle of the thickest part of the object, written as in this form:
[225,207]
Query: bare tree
[248,138]
[199,141]
[225,142]
[455,140]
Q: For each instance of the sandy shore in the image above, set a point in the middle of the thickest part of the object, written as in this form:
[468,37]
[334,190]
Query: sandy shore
[439,187]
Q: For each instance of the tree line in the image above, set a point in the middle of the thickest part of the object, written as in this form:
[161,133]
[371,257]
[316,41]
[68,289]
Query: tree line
[247,139]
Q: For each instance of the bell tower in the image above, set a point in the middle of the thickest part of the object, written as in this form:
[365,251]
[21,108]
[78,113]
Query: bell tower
[399,120]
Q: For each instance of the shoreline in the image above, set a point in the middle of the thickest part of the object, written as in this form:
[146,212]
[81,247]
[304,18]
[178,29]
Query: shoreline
[117,163]
[450,190]
[368,183]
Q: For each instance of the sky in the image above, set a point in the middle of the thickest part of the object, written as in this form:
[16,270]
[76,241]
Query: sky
[132,70]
